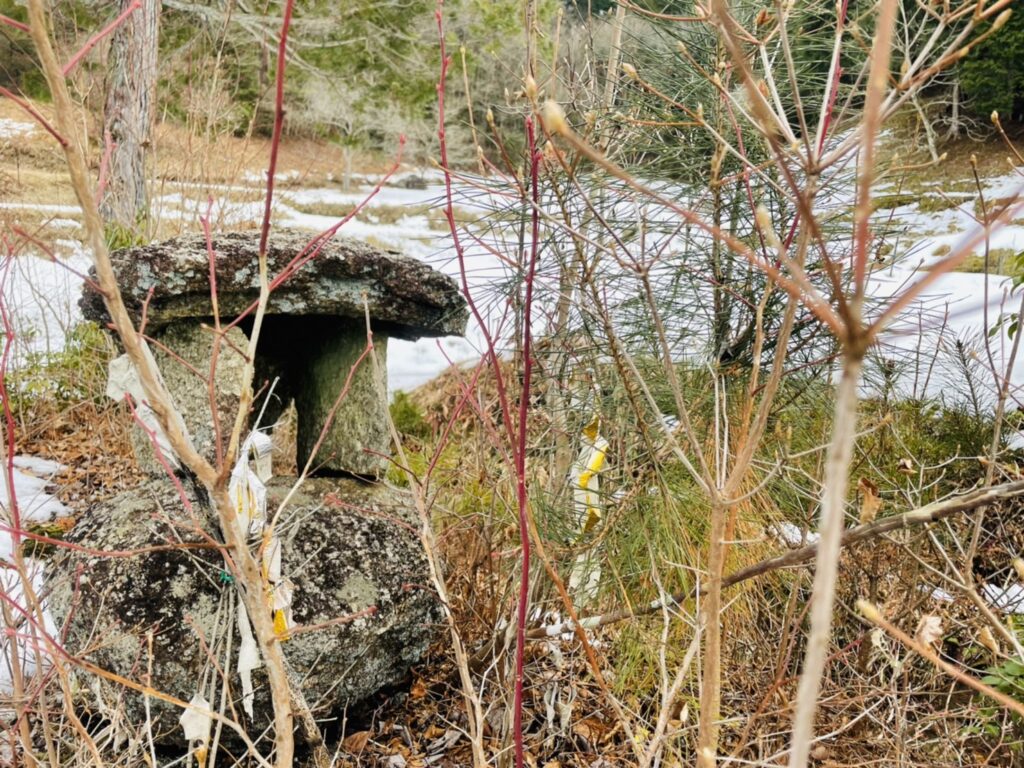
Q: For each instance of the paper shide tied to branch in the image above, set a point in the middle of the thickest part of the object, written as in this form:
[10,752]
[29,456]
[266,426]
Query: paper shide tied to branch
[248,492]
[123,379]
[587,506]
[196,721]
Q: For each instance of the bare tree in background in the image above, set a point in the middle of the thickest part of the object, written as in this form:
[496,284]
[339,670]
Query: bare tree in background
[128,113]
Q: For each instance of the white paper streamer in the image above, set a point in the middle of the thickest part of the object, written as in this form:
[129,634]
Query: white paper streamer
[122,379]
[196,721]
[585,577]
[248,657]
[248,492]
[246,487]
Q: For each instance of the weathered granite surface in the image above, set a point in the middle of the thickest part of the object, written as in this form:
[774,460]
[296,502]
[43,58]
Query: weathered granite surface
[193,347]
[347,546]
[358,440]
[406,297]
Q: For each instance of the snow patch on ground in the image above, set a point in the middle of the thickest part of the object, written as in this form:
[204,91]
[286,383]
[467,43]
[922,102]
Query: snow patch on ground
[35,503]
[1009,599]
[953,311]
[37,466]
[12,128]
[792,535]
[41,207]
[41,296]
[63,223]
[1000,187]
[935,233]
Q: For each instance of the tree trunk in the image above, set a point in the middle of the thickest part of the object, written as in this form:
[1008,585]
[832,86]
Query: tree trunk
[128,115]
[955,124]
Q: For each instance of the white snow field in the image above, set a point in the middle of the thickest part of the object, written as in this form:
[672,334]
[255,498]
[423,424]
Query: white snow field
[44,295]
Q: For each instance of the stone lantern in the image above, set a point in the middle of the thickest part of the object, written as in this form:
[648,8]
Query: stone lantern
[349,542]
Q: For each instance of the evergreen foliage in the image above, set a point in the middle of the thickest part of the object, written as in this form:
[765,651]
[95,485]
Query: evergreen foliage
[992,75]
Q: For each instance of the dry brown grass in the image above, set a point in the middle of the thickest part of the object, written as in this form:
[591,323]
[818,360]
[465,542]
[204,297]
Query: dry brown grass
[194,164]
[907,160]
[225,159]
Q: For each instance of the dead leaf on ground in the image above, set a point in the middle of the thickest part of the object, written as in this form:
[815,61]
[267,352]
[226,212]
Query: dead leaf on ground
[591,729]
[356,742]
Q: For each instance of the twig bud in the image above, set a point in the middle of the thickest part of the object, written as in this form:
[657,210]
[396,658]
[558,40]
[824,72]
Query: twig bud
[995,117]
[630,70]
[554,117]
[1001,19]
[681,47]
[869,611]
[1018,566]
[531,88]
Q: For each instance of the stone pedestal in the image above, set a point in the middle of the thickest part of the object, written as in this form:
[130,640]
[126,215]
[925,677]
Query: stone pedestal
[357,440]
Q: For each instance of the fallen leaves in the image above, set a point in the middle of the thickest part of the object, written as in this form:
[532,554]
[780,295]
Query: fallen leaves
[356,742]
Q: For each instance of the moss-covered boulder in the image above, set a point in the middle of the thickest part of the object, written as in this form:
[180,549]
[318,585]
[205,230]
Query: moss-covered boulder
[358,558]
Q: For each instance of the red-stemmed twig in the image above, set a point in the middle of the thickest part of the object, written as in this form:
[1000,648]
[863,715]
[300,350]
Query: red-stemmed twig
[275,141]
[35,115]
[520,453]
[21,27]
[10,428]
[460,252]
